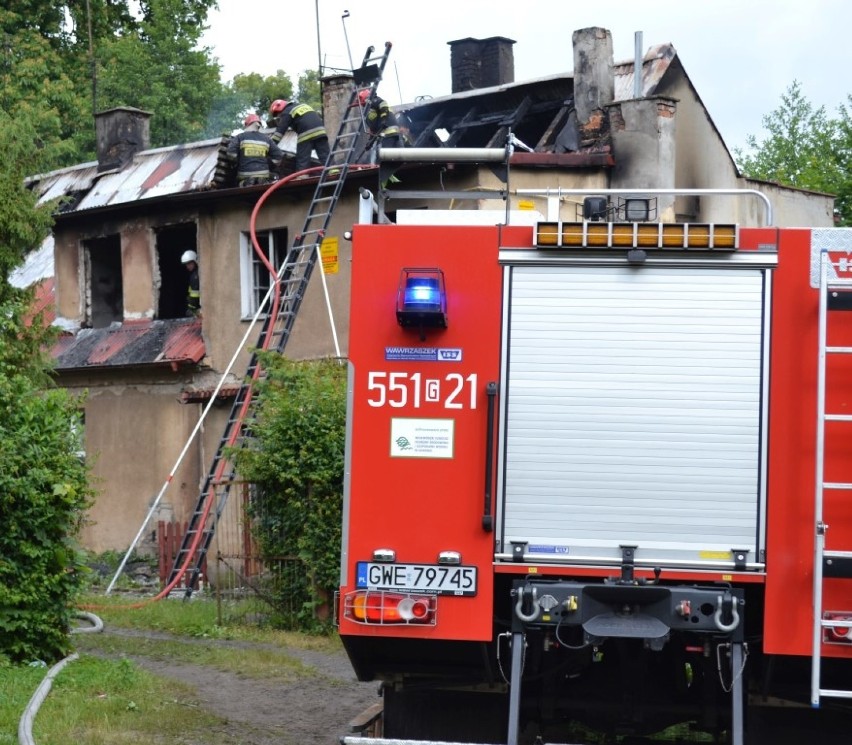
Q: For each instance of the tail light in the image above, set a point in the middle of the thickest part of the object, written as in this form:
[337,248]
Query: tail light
[377,607]
[840,634]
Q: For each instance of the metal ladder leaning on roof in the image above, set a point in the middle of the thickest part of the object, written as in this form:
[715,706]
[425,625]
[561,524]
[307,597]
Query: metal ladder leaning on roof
[294,275]
[828,626]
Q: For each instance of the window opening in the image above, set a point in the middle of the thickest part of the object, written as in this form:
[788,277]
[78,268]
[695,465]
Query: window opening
[256,279]
[105,301]
[171,242]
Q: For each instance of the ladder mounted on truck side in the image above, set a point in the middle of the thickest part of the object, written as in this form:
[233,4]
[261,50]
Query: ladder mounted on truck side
[293,278]
[829,625]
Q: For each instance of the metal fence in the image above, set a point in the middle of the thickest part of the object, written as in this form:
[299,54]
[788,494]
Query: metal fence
[248,587]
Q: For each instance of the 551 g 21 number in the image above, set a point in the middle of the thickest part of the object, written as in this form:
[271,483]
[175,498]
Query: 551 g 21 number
[400,389]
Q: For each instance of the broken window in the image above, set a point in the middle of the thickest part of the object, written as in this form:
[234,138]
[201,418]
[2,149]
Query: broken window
[255,275]
[105,290]
[171,242]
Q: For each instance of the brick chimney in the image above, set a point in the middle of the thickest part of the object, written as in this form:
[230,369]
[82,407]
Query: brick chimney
[336,90]
[121,133]
[481,63]
[594,83]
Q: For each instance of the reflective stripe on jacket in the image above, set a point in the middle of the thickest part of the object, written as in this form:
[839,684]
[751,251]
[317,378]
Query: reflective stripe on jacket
[306,123]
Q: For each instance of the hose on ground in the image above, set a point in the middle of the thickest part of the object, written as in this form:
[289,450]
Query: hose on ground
[25,726]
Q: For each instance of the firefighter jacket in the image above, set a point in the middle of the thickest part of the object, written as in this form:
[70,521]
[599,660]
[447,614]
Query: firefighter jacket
[255,155]
[381,120]
[306,122]
[193,293]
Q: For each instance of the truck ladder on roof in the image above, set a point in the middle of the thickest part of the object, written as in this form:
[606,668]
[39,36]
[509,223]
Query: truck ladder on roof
[829,626]
[293,278]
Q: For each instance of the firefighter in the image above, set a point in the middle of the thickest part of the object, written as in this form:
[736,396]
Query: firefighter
[310,131]
[381,121]
[193,293]
[255,154]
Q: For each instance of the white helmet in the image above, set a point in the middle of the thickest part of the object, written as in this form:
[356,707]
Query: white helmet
[188,256]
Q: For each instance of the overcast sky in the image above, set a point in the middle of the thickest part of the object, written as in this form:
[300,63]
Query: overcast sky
[741,55]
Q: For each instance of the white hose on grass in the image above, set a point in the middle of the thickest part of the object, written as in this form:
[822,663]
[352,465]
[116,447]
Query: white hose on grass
[25,726]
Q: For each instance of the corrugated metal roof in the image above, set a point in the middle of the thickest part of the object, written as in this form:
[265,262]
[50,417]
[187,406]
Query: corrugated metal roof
[153,173]
[133,343]
[37,266]
[654,65]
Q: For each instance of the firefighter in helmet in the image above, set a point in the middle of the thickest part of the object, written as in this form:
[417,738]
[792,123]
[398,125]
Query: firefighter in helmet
[254,153]
[193,294]
[381,121]
[309,129]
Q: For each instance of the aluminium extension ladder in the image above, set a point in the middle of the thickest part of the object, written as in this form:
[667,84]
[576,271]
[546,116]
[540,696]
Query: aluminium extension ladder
[294,275]
[828,563]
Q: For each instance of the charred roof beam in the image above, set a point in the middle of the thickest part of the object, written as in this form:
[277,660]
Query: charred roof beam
[427,134]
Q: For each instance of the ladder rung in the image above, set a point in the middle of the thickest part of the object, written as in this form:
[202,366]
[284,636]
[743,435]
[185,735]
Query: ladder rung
[839,417]
[834,693]
[838,555]
[828,623]
[836,485]
[839,350]
[838,283]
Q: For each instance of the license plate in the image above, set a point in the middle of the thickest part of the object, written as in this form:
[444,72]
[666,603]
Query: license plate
[427,578]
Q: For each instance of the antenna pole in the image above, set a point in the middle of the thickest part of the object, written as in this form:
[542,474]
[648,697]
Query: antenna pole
[346,36]
[319,48]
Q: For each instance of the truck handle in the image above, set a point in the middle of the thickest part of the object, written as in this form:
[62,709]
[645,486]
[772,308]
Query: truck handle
[487,517]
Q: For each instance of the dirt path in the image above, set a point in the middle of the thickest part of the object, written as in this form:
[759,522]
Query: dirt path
[313,711]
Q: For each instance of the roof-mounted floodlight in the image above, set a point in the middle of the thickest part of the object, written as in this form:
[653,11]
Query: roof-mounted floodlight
[595,208]
[637,208]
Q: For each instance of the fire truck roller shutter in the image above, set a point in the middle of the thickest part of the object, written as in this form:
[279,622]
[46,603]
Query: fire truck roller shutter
[634,412]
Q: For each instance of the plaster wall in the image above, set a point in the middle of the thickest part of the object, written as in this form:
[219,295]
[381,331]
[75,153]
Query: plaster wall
[135,431]
[137,267]
[644,143]
[221,237]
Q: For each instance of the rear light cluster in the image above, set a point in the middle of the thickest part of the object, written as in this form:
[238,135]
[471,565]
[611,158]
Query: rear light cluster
[840,634]
[378,607]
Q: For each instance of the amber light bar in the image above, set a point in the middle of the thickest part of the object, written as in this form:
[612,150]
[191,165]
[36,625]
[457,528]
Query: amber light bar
[704,236]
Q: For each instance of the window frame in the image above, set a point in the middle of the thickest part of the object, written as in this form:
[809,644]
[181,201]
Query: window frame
[253,290]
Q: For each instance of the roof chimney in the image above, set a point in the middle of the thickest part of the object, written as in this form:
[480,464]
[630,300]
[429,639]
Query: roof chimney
[481,63]
[121,133]
[594,82]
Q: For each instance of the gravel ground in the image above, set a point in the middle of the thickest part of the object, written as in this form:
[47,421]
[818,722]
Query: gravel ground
[314,711]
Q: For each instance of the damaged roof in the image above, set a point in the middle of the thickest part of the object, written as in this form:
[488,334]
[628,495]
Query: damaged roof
[160,172]
[536,111]
[173,342]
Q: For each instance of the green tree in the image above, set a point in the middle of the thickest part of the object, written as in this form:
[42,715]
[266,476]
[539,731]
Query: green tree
[157,67]
[43,483]
[310,91]
[804,148]
[295,461]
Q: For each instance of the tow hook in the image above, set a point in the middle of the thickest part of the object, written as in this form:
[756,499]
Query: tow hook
[523,594]
[726,607]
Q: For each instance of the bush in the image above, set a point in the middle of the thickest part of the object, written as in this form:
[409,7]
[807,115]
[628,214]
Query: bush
[295,463]
[43,496]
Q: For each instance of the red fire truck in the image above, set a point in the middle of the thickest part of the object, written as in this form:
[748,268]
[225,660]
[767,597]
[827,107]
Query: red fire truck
[599,475]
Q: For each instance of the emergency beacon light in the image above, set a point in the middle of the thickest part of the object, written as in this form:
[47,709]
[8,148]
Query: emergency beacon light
[421,300]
